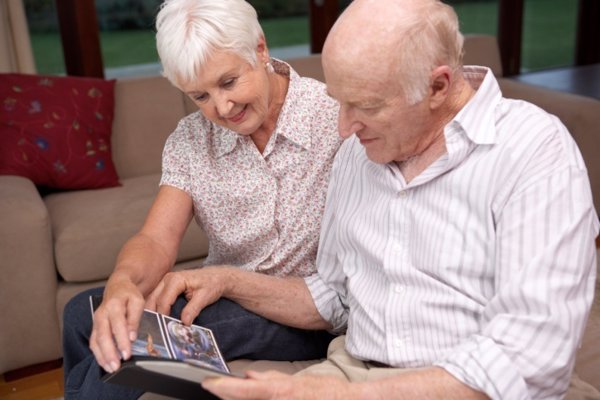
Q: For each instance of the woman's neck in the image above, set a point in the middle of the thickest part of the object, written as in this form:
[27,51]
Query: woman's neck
[278,90]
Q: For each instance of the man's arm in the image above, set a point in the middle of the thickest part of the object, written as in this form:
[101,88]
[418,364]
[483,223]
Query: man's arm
[284,300]
[544,270]
[428,383]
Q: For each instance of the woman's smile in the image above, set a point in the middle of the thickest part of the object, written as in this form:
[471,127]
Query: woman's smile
[239,116]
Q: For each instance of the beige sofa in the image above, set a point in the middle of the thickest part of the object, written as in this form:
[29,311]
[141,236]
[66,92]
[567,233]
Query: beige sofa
[53,247]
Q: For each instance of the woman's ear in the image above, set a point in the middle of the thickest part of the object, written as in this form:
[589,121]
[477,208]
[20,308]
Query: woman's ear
[440,86]
[261,49]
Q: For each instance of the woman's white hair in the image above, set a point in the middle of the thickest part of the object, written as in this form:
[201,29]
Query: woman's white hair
[188,31]
[429,37]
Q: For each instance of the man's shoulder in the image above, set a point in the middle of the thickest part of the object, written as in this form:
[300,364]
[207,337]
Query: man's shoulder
[524,118]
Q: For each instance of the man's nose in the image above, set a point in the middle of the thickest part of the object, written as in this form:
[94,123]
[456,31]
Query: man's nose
[347,124]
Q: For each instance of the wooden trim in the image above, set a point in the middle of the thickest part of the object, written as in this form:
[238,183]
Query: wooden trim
[510,33]
[80,37]
[323,14]
[587,45]
[32,370]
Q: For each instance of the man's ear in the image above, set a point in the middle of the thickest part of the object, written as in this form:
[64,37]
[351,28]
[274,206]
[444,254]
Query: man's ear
[440,86]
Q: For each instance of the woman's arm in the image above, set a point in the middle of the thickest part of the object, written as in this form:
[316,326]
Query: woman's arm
[142,262]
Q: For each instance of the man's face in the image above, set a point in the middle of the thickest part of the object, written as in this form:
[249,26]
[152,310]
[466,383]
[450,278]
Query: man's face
[375,110]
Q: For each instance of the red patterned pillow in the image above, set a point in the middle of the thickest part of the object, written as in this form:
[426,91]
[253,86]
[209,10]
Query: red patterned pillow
[56,130]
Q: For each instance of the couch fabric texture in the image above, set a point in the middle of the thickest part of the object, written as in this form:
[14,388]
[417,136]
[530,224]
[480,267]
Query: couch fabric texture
[55,246]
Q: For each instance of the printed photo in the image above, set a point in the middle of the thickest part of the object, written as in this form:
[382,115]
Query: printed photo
[150,340]
[194,344]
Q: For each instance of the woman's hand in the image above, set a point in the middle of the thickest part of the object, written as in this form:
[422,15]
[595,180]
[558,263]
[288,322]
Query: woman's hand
[201,288]
[275,385]
[116,323]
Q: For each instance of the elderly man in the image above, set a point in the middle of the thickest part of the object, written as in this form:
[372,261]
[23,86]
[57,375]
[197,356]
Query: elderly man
[457,246]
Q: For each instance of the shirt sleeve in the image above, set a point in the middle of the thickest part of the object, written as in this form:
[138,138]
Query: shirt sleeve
[328,285]
[176,159]
[545,275]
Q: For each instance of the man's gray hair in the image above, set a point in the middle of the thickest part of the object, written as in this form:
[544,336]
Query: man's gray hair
[429,37]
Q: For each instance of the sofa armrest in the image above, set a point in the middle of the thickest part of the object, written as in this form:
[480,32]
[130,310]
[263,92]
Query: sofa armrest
[27,277]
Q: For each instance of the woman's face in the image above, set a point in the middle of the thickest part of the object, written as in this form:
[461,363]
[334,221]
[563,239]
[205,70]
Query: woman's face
[231,92]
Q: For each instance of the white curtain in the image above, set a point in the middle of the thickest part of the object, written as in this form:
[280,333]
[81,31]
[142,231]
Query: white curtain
[15,46]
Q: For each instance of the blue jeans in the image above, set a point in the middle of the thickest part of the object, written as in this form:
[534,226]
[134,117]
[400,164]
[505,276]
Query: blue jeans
[239,333]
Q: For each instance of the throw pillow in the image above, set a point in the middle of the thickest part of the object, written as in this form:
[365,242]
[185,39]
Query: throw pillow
[56,130]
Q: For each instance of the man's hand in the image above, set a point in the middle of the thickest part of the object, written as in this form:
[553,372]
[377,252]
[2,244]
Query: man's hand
[116,323]
[426,383]
[276,385]
[201,288]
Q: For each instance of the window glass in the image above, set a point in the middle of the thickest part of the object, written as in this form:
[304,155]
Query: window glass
[549,28]
[476,16]
[128,38]
[45,38]
[286,26]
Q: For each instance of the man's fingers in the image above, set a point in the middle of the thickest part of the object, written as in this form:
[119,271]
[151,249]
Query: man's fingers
[152,298]
[258,385]
[173,285]
[195,304]
[238,389]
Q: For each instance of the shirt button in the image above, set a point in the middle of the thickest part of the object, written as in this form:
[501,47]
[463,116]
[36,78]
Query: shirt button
[402,194]
[399,289]
[398,342]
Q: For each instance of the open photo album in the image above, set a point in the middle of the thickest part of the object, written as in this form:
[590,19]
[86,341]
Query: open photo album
[169,357]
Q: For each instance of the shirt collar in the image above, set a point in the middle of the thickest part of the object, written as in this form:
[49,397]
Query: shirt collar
[225,140]
[477,117]
[290,123]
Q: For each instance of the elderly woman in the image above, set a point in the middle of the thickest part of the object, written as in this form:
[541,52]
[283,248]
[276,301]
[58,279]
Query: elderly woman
[251,167]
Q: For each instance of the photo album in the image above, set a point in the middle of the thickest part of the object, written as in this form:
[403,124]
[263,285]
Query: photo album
[169,357]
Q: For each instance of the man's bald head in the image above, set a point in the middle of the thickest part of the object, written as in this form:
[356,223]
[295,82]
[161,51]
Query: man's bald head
[401,40]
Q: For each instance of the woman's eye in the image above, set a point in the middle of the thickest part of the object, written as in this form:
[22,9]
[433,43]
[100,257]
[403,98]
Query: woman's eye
[229,82]
[200,97]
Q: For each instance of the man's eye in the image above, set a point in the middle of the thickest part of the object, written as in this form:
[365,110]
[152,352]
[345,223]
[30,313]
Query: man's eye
[370,109]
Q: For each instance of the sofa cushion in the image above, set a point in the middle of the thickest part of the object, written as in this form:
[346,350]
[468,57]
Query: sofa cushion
[56,131]
[90,227]
[146,113]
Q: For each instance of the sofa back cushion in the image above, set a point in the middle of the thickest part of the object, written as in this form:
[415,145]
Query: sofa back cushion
[147,110]
[482,50]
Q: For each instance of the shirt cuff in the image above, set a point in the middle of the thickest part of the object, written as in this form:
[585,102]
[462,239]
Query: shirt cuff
[176,181]
[481,364]
[328,303]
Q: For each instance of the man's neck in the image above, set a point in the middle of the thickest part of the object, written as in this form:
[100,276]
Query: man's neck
[415,165]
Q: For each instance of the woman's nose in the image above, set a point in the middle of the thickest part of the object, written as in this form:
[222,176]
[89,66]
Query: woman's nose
[223,106]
